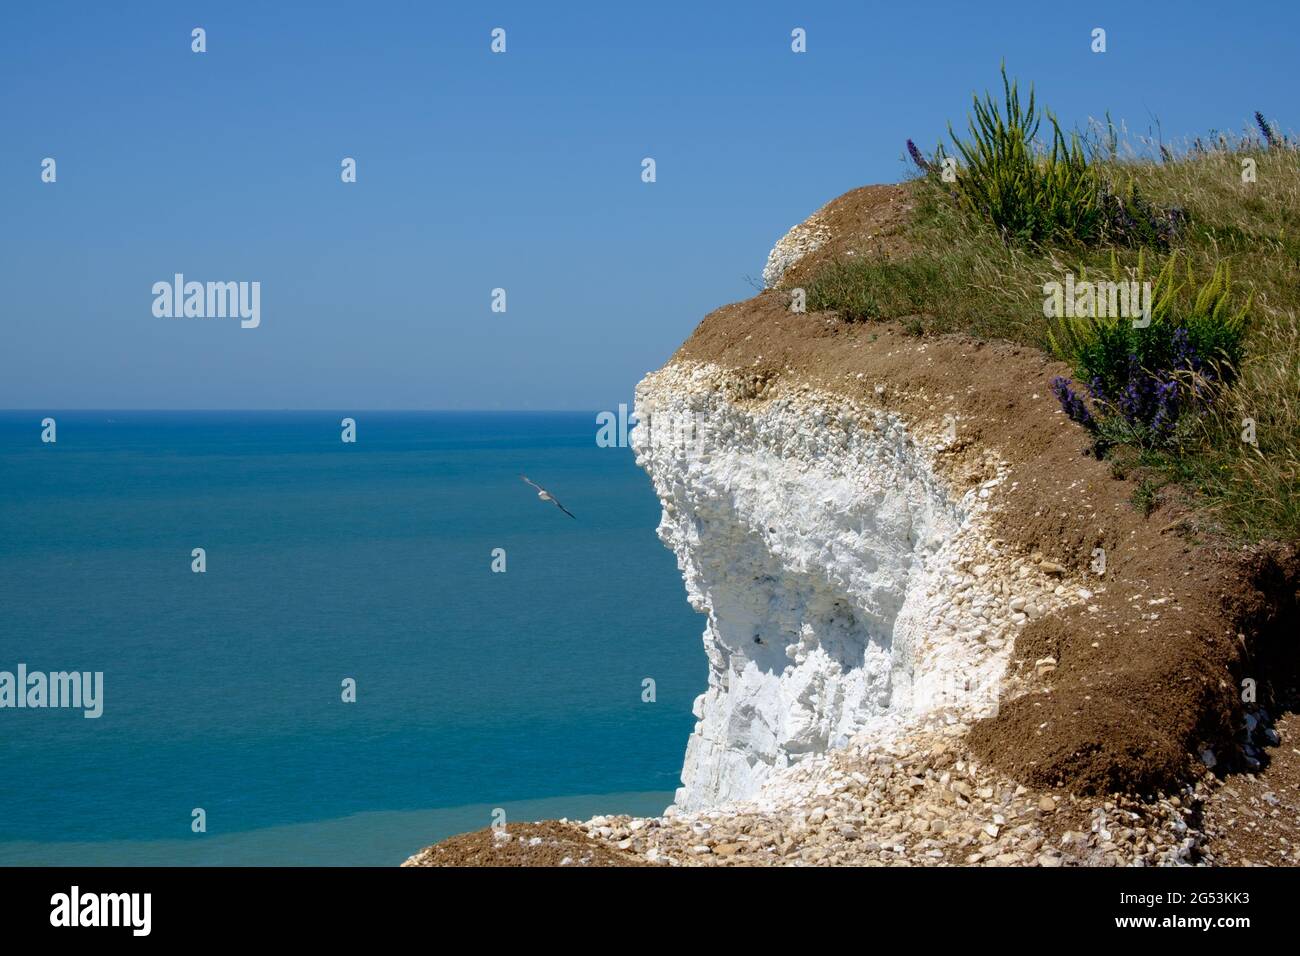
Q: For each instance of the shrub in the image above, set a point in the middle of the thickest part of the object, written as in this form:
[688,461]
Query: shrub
[1027,197]
[1143,384]
[1039,196]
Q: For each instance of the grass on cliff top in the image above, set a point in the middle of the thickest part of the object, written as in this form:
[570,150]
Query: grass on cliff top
[964,277]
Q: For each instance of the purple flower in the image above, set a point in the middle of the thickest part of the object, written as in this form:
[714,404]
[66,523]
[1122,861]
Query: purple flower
[1138,396]
[1071,403]
[917,158]
[1269,136]
[1149,396]
[1166,408]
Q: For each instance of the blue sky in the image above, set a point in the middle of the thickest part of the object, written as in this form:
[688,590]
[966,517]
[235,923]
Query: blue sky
[478,171]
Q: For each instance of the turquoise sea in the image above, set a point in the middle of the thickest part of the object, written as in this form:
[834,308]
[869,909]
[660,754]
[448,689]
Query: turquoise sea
[476,690]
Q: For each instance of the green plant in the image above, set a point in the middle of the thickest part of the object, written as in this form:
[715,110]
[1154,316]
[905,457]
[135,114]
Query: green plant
[1099,347]
[837,285]
[1146,496]
[1055,195]
[1029,197]
[1143,377]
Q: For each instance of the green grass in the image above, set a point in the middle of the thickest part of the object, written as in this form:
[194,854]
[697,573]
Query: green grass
[1146,496]
[966,275]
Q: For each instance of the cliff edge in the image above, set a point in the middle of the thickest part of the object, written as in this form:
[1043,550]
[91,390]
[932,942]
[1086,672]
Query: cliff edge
[938,631]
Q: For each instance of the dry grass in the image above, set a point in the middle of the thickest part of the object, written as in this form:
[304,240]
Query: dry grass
[965,278]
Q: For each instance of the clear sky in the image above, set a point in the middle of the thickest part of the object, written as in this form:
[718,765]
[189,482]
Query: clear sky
[519,170]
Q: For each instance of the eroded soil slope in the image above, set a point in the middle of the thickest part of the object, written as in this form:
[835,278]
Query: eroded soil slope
[1148,672]
[1139,689]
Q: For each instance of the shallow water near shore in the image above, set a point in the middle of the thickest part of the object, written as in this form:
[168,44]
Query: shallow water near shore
[383,838]
[326,561]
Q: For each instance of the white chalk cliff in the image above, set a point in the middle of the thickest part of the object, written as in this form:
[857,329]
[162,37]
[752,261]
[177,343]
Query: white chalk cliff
[847,589]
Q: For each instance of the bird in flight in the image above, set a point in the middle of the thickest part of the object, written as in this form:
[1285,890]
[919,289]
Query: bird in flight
[547,496]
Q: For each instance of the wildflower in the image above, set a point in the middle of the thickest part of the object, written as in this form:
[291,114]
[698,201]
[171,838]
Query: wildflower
[1071,403]
[1269,136]
[1166,408]
[921,162]
[1138,395]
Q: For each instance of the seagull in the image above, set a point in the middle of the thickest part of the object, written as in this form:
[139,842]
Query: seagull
[547,496]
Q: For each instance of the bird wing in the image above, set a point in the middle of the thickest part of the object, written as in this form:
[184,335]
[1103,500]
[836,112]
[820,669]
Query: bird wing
[551,496]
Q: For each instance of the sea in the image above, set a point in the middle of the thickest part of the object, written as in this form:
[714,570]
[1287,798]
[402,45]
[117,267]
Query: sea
[393,640]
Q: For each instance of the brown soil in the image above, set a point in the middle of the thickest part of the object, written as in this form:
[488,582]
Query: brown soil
[867,221]
[1254,819]
[558,842]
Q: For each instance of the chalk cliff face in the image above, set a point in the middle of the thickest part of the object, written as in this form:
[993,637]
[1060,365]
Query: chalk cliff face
[839,575]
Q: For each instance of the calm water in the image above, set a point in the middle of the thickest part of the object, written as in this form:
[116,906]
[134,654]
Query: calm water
[326,561]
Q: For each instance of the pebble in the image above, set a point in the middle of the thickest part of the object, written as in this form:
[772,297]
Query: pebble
[920,801]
